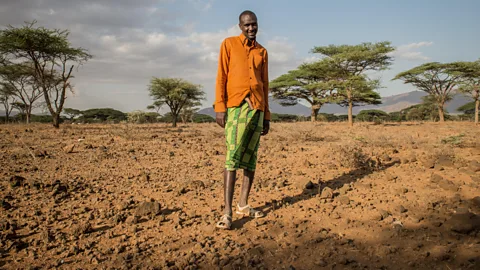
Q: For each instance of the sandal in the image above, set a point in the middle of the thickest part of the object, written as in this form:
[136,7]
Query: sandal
[249,212]
[225,222]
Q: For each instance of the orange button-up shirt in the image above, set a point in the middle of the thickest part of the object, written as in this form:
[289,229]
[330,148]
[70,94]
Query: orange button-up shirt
[242,72]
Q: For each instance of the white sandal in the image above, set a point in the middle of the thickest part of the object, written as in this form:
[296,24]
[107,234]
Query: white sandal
[247,211]
[225,222]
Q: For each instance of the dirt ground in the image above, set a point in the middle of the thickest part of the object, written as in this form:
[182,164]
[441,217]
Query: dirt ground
[387,196]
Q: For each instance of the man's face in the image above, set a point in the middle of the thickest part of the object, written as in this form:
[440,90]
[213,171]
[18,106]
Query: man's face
[248,25]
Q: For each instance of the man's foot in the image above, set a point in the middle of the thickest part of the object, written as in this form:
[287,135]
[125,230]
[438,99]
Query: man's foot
[247,211]
[225,222]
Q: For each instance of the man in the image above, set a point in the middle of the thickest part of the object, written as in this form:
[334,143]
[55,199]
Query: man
[241,106]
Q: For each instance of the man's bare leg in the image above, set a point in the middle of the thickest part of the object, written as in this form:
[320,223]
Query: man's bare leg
[229,187]
[246,186]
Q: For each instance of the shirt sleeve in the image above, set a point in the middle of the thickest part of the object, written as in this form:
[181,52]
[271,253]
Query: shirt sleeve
[221,84]
[266,86]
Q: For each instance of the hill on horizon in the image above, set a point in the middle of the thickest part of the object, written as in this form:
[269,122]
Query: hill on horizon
[389,104]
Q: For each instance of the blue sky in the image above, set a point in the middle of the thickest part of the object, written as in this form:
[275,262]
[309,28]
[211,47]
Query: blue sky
[132,41]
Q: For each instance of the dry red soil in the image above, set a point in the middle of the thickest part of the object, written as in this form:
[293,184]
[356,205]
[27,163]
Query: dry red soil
[392,196]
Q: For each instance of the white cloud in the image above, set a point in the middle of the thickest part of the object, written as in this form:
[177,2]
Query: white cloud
[410,51]
[203,5]
[131,44]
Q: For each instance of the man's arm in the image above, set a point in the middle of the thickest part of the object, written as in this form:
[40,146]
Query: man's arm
[266,122]
[220,105]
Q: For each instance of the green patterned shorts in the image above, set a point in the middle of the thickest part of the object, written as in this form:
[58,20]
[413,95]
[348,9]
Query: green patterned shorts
[242,132]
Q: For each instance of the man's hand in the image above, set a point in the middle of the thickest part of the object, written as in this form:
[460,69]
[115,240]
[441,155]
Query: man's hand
[266,127]
[220,117]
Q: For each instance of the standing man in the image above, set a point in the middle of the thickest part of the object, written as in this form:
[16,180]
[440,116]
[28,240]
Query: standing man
[241,106]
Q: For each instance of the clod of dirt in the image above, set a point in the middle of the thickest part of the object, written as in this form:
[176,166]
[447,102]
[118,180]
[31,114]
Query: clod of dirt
[401,209]
[59,188]
[82,228]
[150,209]
[122,206]
[40,153]
[344,200]
[327,193]
[448,185]
[132,220]
[197,184]
[6,205]
[344,189]
[17,181]
[444,161]
[474,166]
[69,148]
[145,177]
[476,202]
[463,223]
[383,214]
[386,157]
[119,218]
[435,178]
[303,183]
[429,163]
[321,263]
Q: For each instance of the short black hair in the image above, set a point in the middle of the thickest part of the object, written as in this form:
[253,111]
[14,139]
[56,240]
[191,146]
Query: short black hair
[246,12]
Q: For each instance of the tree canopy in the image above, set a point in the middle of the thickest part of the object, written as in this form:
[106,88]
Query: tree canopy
[310,82]
[52,57]
[349,64]
[175,93]
[437,79]
[470,84]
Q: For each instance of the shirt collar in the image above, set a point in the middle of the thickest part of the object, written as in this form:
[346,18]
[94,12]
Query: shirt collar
[244,40]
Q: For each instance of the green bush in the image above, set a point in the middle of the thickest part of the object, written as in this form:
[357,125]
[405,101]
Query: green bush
[372,116]
[203,118]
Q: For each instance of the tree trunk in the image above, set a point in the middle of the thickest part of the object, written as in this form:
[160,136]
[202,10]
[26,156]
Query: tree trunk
[28,114]
[56,120]
[174,120]
[441,113]
[350,113]
[313,116]
[477,105]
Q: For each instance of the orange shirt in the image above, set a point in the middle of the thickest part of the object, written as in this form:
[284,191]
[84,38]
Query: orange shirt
[242,71]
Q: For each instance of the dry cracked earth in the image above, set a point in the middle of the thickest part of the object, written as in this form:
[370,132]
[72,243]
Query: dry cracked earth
[391,196]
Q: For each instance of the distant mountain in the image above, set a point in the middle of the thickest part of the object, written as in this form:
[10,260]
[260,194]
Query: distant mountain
[389,104]
[275,107]
[399,102]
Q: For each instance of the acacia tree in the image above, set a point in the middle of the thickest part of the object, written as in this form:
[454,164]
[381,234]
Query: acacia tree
[20,79]
[355,91]
[7,98]
[72,113]
[470,84]
[309,83]
[52,56]
[175,93]
[351,62]
[437,79]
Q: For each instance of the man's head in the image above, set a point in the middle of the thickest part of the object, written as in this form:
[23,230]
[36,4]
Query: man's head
[247,21]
